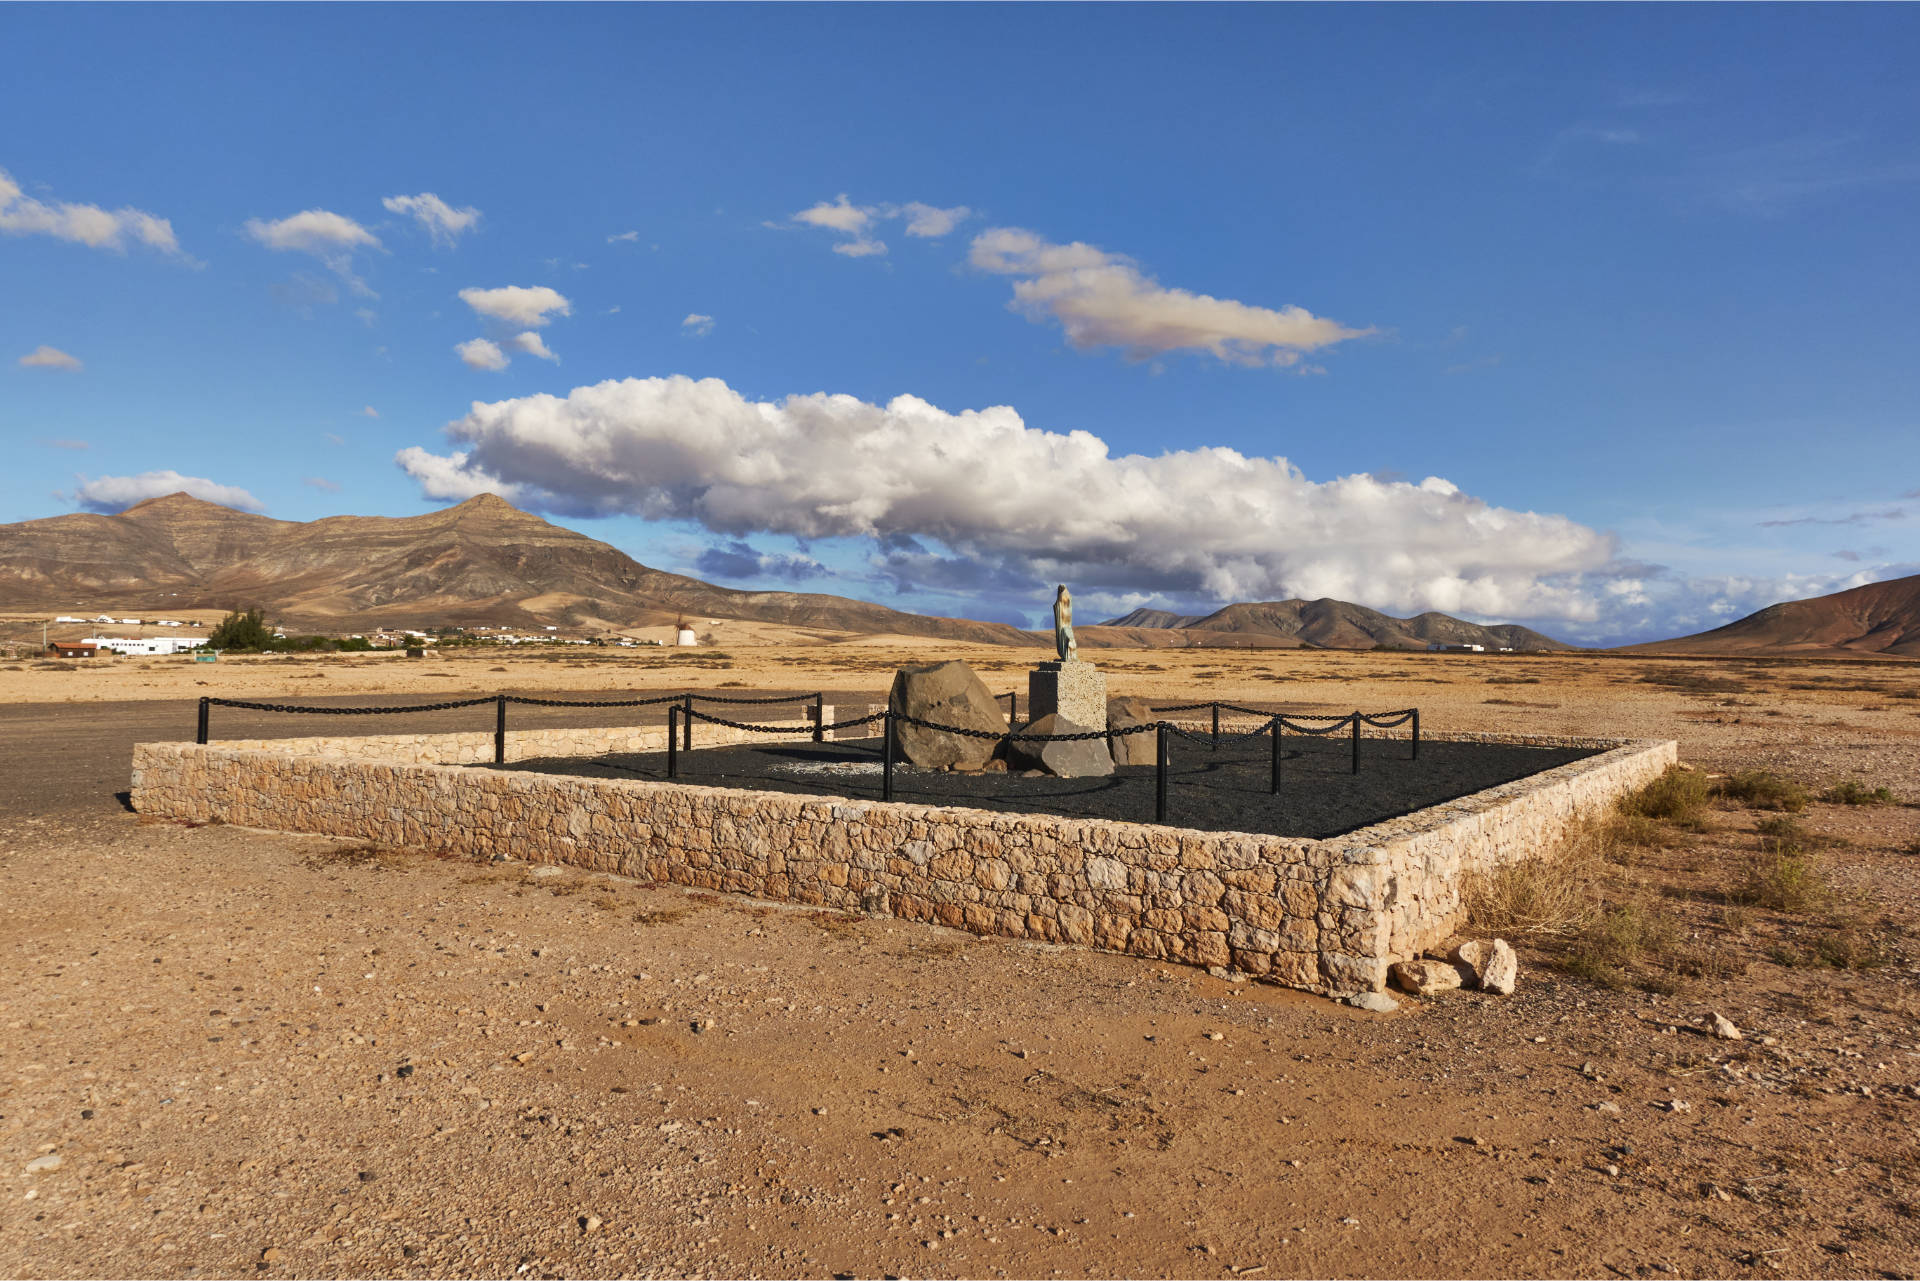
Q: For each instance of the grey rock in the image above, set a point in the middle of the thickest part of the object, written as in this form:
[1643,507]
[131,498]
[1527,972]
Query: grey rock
[42,1164]
[1131,749]
[1378,1002]
[1085,758]
[947,694]
[1724,1030]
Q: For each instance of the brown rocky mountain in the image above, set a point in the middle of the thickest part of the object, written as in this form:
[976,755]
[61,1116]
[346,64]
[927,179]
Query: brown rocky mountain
[483,561]
[1335,624]
[1880,618]
[486,561]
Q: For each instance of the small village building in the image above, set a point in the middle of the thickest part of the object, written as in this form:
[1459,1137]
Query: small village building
[73,649]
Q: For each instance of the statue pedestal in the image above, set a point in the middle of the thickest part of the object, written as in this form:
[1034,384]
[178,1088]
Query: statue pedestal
[1075,690]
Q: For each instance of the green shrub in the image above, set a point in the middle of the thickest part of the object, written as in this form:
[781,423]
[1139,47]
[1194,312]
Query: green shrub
[1762,790]
[1619,939]
[1854,793]
[247,632]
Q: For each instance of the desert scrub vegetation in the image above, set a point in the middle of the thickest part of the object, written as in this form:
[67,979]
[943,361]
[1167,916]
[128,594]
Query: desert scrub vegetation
[1679,796]
[1853,792]
[1762,790]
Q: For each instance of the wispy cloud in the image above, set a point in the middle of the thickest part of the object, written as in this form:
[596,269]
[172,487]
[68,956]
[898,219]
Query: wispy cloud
[627,237]
[697,325]
[111,494]
[523,306]
[321,483]
[442,221]
[90,225]
[855,224]
[1103,299]
[479,353]
[1852,518]
[45,357]
[75,445]
[332,238]
[367,411]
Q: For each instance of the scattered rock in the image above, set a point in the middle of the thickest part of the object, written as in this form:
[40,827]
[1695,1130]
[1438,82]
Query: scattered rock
[1489,964]
[1724,1030]
[1085,758]
[1607,1107]
[1378,1002]
[271,1254]
[42,1164]
[1130,749]
[1425,978]
[947,694]
[589,1223]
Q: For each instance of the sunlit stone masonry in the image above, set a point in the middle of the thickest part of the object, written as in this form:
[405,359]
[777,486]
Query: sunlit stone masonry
[1321,915]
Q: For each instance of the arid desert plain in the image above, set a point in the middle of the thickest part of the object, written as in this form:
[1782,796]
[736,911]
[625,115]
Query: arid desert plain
[229,1052]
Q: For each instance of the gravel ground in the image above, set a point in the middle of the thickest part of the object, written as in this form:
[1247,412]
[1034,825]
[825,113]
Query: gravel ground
[262,1055]
[1228,790]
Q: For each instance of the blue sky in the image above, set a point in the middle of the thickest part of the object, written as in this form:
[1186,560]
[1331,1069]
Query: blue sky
[1598,318]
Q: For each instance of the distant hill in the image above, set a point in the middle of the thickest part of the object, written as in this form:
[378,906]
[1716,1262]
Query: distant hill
[483,561]
[486,561]
[1335,624]
[1880,618]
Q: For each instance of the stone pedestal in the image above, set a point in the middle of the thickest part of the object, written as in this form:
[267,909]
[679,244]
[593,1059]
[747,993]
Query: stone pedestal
[1074,690]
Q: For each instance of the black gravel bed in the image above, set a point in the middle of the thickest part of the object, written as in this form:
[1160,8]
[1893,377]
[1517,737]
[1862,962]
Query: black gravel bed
[1212,791]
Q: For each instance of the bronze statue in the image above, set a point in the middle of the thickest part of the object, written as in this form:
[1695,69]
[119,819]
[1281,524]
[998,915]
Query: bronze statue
[1063,641]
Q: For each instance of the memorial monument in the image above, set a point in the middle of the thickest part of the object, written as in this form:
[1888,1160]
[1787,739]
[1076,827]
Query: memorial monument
[1073,690]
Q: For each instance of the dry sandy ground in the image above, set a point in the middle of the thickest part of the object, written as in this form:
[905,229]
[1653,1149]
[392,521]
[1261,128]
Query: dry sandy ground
[255,1054]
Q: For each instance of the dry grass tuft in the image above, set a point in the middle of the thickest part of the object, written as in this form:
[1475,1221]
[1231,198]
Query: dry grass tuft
[1679,796]
[1851,792]
[1762,790]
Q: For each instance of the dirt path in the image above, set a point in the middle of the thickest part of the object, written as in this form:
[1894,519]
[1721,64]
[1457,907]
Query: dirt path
[264,1055]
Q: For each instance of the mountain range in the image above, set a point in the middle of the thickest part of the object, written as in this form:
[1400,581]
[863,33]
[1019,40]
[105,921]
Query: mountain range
[1877,619]
[486,561]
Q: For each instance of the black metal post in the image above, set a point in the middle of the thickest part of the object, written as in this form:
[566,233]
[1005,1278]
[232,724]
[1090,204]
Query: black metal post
[1416,734]
[1356,742]
[1160,773]
[686,722]
[1216,727]
[499,729]
[200,736]
[819,718]
[673,741]
[1273,727]
[886,756]
[1013,707]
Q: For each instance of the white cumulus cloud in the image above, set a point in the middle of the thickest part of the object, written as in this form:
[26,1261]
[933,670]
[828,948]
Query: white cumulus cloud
[90,225]
[1029,505]
[698,325]
[45,357]
[328,236]
[1103,299]
[522,306]
[442,221]
[479,353]
[117,493]
[838,215]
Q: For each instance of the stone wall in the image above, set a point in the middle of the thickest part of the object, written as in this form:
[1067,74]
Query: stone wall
[1326,916]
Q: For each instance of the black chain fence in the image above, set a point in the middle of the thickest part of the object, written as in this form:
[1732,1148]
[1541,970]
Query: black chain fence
[682,713]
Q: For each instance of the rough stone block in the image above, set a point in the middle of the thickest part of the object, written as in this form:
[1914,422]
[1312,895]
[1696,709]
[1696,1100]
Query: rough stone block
[1073,689]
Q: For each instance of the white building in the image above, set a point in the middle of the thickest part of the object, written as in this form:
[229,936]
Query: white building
[1441,647]
[138,645]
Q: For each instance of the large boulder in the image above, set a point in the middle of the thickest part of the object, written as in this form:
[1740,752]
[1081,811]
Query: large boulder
[1130,749]
[1079,758]
[946,694]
